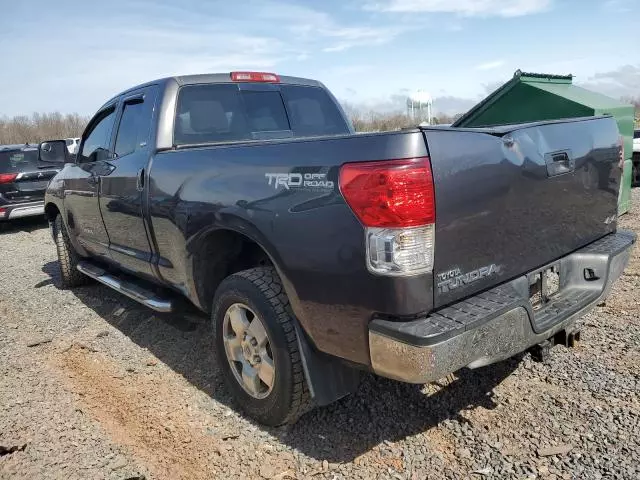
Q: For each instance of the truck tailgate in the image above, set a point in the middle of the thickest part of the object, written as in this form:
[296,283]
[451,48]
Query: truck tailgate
[515,198]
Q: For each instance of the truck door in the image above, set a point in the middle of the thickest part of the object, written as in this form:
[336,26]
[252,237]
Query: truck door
[122,187]
[83,183]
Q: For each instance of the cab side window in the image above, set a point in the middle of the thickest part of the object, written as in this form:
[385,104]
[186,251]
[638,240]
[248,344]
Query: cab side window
[96,143]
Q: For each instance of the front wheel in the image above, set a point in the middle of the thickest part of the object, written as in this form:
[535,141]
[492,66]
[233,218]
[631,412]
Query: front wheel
[257,347]
[67,257]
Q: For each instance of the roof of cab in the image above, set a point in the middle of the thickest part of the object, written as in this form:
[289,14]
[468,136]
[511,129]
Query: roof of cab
[204,78]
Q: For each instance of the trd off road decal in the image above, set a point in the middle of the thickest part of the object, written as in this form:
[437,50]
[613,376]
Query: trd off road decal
[455,278]
[299,180]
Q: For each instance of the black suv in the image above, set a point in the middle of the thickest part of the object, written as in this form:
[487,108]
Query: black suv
[23,181]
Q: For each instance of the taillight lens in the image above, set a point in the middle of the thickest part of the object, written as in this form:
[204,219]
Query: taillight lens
[395,201]
[7,177]
[396,193]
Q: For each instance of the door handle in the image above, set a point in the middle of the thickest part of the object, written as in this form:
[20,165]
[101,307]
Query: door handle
[140,180]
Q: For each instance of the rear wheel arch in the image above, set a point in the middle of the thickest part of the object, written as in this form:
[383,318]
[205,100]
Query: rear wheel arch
[220,253]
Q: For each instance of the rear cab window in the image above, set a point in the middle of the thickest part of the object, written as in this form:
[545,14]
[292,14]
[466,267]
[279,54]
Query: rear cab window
[16,161]
[636,134]
[225,112]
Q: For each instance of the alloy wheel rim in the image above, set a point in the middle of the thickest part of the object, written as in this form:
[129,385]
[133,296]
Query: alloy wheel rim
[248,350]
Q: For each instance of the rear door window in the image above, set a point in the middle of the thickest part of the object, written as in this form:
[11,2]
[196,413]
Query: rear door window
[225,113]
[636,134]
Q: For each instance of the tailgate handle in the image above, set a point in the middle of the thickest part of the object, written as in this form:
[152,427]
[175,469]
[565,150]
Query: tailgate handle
[559,163]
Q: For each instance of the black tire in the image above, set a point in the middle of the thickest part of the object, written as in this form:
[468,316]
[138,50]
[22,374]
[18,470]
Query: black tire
[261,290]
[67,257]
[635,172]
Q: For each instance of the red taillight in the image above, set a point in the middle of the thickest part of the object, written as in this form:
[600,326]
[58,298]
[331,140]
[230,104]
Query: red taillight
[391,194]
[7,177]
[254,77]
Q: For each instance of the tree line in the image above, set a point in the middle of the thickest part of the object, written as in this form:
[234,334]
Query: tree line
[40,127]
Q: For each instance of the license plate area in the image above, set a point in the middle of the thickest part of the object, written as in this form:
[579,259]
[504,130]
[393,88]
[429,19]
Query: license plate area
[544,285]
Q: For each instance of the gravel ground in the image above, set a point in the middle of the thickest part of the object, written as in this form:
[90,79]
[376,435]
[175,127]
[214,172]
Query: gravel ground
[93,386]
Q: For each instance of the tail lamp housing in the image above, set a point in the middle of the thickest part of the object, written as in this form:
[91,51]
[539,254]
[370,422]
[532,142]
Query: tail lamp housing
[395,201]
[8,177]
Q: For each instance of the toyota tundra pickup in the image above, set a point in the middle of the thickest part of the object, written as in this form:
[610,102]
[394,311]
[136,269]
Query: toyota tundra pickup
[318,253]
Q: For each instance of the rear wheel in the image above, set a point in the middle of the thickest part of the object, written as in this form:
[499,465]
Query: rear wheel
[257,347]
[635,171]
[67,257]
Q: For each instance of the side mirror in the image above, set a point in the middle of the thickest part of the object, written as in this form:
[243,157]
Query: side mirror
[54,151]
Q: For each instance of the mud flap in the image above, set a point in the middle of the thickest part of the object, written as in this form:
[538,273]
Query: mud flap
[328,378]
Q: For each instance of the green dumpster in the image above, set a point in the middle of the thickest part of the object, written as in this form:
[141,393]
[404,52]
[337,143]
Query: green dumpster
[530,97]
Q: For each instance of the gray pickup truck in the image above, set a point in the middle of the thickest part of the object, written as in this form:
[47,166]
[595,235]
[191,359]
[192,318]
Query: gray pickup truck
[318,253]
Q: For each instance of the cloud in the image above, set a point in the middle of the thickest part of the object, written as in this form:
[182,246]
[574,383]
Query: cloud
[360,36]
[467,8]
[309,25]
[490,65]
[621,82]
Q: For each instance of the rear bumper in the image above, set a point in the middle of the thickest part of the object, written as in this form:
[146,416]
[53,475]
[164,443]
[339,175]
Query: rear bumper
[11,211]
[499,323]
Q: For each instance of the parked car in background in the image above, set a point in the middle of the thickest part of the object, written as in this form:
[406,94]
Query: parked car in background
[318,253]
[23,180]
[72,144]
[635,179]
